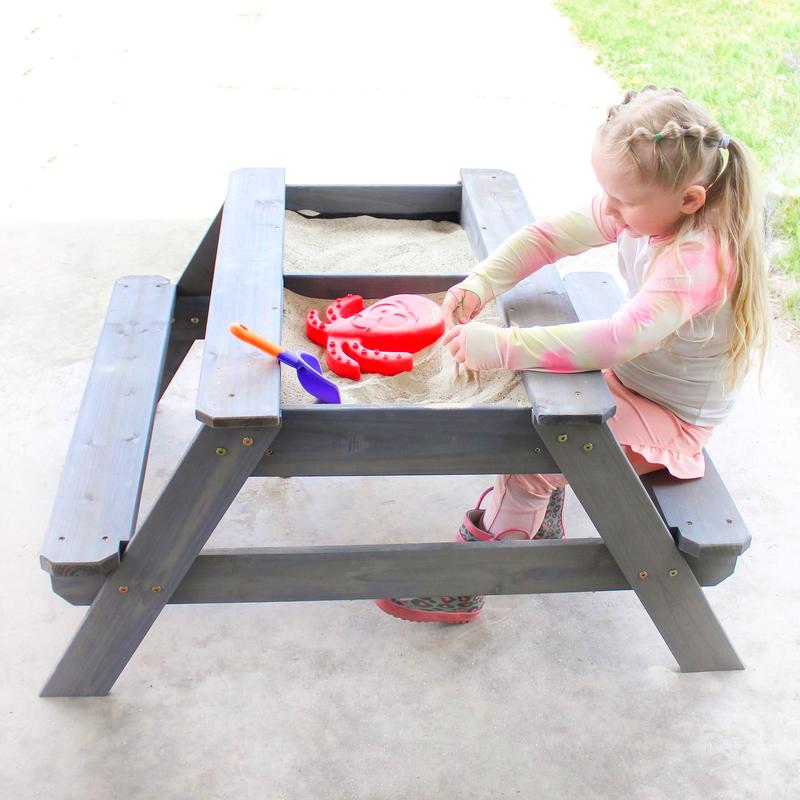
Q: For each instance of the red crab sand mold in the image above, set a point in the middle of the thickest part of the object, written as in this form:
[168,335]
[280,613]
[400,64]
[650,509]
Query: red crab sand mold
[380,338]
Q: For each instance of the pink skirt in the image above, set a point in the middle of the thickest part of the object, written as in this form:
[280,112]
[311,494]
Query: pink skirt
[655,433]
[651,436]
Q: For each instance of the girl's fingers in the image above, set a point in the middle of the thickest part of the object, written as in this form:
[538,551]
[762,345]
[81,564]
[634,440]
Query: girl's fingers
[455,341]
[449,335]
[470,305]
[459,306]
[450,305]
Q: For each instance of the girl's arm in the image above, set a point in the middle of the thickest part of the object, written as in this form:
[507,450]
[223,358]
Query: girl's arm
[673,294]
[538,244]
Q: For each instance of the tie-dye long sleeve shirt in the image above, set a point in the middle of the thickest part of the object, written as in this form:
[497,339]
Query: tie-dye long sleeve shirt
[669,341]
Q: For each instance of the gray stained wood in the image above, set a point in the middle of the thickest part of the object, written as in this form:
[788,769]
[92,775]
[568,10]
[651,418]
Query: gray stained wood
[242,437]
[616,502]
[441,202]
[98,494]
[368,285]
[199,272]
[352,572]
[493,207]
[188,323]
[204,484]
[191,311]
[700,512]
[405,440]
[190,318]
[239,385]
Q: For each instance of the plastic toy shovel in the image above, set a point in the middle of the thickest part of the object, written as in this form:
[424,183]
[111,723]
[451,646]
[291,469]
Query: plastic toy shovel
[309,371]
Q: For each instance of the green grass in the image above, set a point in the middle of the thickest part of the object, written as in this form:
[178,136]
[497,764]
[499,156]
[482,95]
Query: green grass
[787,227]
[739,59]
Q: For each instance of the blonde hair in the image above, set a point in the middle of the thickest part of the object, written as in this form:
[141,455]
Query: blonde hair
[669,142]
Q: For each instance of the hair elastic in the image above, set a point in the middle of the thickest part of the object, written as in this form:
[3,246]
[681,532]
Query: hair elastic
[724,141]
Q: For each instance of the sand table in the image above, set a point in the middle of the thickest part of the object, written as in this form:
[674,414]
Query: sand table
[365,244]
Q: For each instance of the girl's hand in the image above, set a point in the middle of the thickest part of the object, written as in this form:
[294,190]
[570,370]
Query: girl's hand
[487,345]
[455,340]
[459,306]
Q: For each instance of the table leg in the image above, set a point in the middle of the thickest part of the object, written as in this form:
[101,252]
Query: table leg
[637,538]
[199,273]
[205,483]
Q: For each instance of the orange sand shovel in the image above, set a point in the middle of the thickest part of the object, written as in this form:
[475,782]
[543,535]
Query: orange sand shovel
[309,370]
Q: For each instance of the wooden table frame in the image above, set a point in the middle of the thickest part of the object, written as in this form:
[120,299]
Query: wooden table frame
[236,273]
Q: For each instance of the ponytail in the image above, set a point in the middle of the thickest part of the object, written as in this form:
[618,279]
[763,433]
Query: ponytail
[736,199]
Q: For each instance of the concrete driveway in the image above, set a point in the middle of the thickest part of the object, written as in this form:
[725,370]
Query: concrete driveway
[121,128]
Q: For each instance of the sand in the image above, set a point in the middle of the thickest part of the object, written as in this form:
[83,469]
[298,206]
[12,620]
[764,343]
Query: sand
[365,244]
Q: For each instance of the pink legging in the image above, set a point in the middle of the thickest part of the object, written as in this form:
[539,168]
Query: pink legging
[520,501]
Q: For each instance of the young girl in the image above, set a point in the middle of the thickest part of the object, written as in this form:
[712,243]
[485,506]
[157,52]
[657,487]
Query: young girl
[680,201]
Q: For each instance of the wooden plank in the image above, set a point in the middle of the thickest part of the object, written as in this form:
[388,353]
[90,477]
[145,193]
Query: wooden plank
[199,272]
[437,202]
[208,478]
[188,323]
[711,570]
[410,570]
[352,572]
[700,512]
[369,285]
[616,502]
[191,311]
[98,494]
[237,386]
[190,318]
[258,575]
[541,299]
[493,207]
[593,295]
[405,440]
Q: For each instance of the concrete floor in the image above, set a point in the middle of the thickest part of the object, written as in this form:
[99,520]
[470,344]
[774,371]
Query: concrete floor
[562,696]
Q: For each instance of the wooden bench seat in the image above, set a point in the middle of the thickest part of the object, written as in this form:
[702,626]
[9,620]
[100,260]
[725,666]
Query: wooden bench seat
[97,501]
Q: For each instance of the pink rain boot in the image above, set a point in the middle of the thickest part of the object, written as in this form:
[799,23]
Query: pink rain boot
[457,610]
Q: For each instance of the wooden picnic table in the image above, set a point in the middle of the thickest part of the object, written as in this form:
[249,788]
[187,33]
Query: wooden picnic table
[661,537]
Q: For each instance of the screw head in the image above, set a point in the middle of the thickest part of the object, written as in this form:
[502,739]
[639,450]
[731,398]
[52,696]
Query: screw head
[194,320]
[247,441]
[588,447]
[643,574]
[562,437]
[155,589]
[269,451]
[537,451]
[122,589]
[673,573]
[222,451]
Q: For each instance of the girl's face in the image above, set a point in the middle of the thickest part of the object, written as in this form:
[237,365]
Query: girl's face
[645,210]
